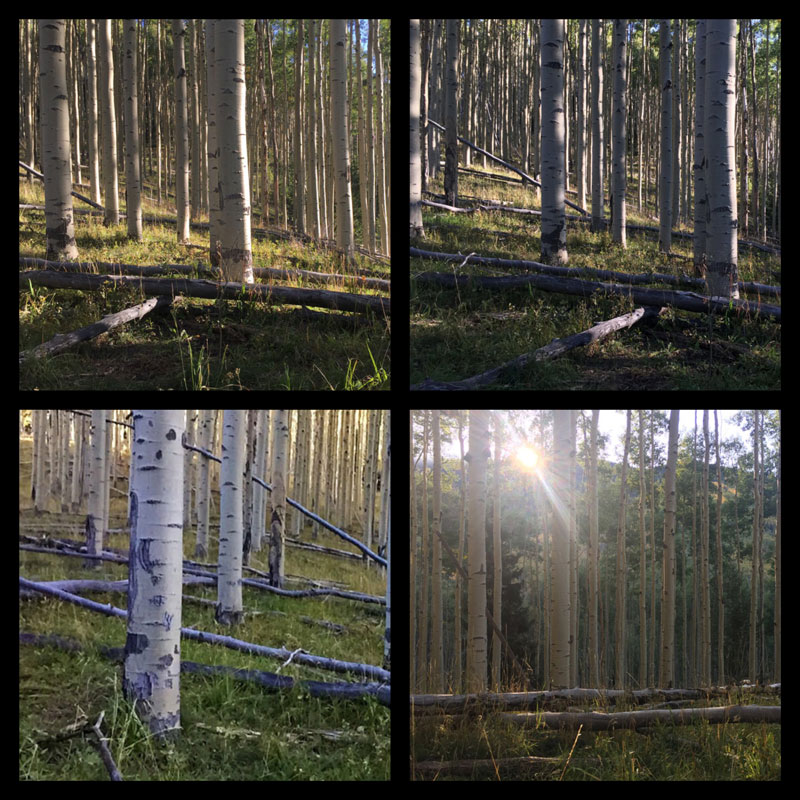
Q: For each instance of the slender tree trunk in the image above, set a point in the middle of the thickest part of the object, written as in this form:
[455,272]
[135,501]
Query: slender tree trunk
[437,636]
[181,132]
[234,177]
[415,181]
[280,455]
[231,537]
[666,678]
[559,590]
[476,597]
[665,197]
[451,115]
[619,133]
[341,143]
[594,677]
[110,170]
[722,273]
[152,648]
[554,221]
[598,128]
[56,162]
[133,184]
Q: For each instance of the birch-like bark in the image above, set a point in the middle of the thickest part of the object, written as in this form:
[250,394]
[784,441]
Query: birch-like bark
[280,455]
[152,647]
[231,538]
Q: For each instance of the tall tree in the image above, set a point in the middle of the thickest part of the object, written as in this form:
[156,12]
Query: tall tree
[236,257]
[593,554]
[598,128]
[341,143]
[665,77]
[231,536]
[181,131]
[415,182]
[619,132]
[451,115]
[56,161]
[108,104]
[700,200]
[722,272]
[554,221]
[622,569]
[559,559]
[280,455]
[437,634]
[155,583]
[666,672]
[476,592]
[133,185]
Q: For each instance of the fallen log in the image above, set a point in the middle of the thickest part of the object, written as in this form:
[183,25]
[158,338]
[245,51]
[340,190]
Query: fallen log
[39,175]
[322,298]
[686,301]
[63,341]
[517,170]
[633,720]
[298,656]
[187,269]
[497,766]
[499,701]
[556,348]
[622,277]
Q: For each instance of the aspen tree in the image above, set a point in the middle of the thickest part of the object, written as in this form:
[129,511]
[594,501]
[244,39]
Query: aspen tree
[229,582]
[181,131]
[451,115]
[280,456]
[56,161]
[476,592]
[437,636]
[722,272]
[554,221]
[559,559]
[152,648]
[666,678]
[133,185]
[108,104]
[665,77]
[236,257]
[598,129]
[619,133]
[415,179]
[341,144]
[387,477]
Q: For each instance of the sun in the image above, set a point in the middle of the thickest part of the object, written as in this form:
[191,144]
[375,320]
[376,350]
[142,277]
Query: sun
[528,458]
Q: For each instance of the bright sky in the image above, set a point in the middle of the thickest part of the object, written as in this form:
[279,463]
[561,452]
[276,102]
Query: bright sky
[612,423]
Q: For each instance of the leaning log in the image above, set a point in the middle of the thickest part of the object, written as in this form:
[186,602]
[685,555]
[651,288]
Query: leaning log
[518,171]
[39,175]
[686,301]
[63,341]
[556,348]
[633,720]
[321,298]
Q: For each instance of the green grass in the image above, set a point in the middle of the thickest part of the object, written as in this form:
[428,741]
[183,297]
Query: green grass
[457,333]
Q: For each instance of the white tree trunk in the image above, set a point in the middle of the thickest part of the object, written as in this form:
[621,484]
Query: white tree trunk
[108,105]
[56,162]
[451,115]
[619,134]
[559,559]
[98,489]
[476,592]
[722,273]
[181,131]
[234,178]
[231,538]
[666,671]
[133,187]
[415,181]
[280,455]
[665,78]
[598,129]
[387,638]
[341,144]
[152,648]
[554,221]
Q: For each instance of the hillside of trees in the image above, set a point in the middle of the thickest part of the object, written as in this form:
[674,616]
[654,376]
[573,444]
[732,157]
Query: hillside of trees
[595,204]
[211,196]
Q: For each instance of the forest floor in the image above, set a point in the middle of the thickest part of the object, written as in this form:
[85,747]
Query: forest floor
[460,332]
[231,730]
[485,747]
[197,344]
